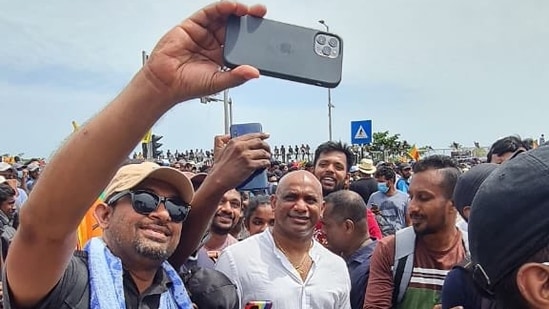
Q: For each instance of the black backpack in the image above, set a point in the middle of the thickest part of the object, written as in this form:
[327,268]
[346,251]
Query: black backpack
[209,288]
[485,301]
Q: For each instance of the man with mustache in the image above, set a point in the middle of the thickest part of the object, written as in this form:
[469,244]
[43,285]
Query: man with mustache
[147,211]
[332,163]
[228,212]
[439,244]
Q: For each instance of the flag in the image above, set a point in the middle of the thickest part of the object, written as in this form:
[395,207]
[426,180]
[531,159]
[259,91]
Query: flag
[147,138]
[414,153]
[88,227]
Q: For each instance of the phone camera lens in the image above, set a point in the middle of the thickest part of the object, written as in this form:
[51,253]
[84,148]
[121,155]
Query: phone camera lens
[332,42]
[321,39]
[326,50]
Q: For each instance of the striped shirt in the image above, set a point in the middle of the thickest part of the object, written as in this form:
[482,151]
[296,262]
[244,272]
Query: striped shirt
[430,269]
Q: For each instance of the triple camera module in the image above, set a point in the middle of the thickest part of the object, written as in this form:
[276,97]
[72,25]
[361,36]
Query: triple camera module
[327,45]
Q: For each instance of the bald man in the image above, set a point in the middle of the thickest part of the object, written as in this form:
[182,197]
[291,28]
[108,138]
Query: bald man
[285,264]
[346,228]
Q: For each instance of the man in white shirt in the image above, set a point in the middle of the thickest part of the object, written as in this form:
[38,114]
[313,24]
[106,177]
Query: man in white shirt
[284,264]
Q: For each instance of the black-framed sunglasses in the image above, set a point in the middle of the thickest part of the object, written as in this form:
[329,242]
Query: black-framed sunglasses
[145,202]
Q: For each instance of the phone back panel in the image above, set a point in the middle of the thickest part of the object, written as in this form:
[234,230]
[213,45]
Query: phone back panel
[258,180]
[281,50]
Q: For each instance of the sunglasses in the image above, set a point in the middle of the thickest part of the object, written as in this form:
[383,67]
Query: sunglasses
[145,202]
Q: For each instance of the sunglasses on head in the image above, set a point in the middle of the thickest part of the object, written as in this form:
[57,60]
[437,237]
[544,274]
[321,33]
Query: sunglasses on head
[145,202]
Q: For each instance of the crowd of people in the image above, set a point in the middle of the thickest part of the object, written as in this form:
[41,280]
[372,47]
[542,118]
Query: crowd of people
[328,234]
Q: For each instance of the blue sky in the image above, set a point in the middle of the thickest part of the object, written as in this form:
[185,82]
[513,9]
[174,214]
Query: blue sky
[433,71]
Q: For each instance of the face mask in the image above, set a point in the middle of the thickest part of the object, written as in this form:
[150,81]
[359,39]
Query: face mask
[382,187]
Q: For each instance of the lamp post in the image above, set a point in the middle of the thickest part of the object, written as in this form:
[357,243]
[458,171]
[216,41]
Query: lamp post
[227,108]
[149,153]
[330,106]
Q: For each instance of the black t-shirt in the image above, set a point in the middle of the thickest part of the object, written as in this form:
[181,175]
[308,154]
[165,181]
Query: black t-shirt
[365,187]
[73,290]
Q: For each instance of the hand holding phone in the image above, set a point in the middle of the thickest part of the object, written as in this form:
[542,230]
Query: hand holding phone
[258,180]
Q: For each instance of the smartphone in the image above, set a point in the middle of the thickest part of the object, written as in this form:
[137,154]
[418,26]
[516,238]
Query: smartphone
[258,180]
[284,51]
[259,304]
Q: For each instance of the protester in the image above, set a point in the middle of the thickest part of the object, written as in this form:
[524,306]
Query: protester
[390,203]
[509,235]
[227,215]
[332,162]
[41,270]
[365,185]
[432,245]
[259,215]
[7,214]
[458,288]
[506,148]
[403,183]
[284,264]
[346,228]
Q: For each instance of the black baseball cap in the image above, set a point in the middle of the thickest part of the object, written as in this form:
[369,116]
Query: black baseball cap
[510,217]
[469,182]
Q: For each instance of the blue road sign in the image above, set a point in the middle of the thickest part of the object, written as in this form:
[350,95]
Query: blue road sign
[361,132]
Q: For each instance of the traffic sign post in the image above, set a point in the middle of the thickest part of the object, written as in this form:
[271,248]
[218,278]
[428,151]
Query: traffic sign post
[361,132]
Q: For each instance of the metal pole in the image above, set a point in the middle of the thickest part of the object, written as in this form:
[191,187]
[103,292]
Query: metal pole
[226,110]
[149,154]
[330,113]
[230,111]
[330,106]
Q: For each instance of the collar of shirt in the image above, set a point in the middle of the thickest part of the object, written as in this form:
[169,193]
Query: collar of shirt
[313,251]
[362,254]
[160,284]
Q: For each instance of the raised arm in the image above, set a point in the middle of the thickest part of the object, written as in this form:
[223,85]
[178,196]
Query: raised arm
[235,161]
[184,65]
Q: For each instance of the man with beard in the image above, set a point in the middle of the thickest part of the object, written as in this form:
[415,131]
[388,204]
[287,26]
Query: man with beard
[228,213]
[146,204]
[439,244]
[332,163]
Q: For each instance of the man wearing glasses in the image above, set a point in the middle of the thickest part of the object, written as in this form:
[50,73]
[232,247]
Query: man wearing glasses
[146,204]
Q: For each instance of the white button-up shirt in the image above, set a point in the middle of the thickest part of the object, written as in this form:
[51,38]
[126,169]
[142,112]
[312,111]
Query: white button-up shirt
[262,272]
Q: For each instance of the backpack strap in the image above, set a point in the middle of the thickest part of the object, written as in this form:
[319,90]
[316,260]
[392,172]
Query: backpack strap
[465,240]
[405,241]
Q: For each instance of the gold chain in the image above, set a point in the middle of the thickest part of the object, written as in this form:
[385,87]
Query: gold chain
[298,267]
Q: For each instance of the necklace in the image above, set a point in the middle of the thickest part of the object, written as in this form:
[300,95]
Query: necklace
[301,267]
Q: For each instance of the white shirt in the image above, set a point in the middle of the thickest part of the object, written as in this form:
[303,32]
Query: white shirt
[262,272]
[461,223]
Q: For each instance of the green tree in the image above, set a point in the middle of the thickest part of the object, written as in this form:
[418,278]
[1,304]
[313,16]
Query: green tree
[388,146]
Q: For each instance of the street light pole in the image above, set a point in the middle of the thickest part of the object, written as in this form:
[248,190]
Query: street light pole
[230,111]
[227,108]
[330,106]
[149,155]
